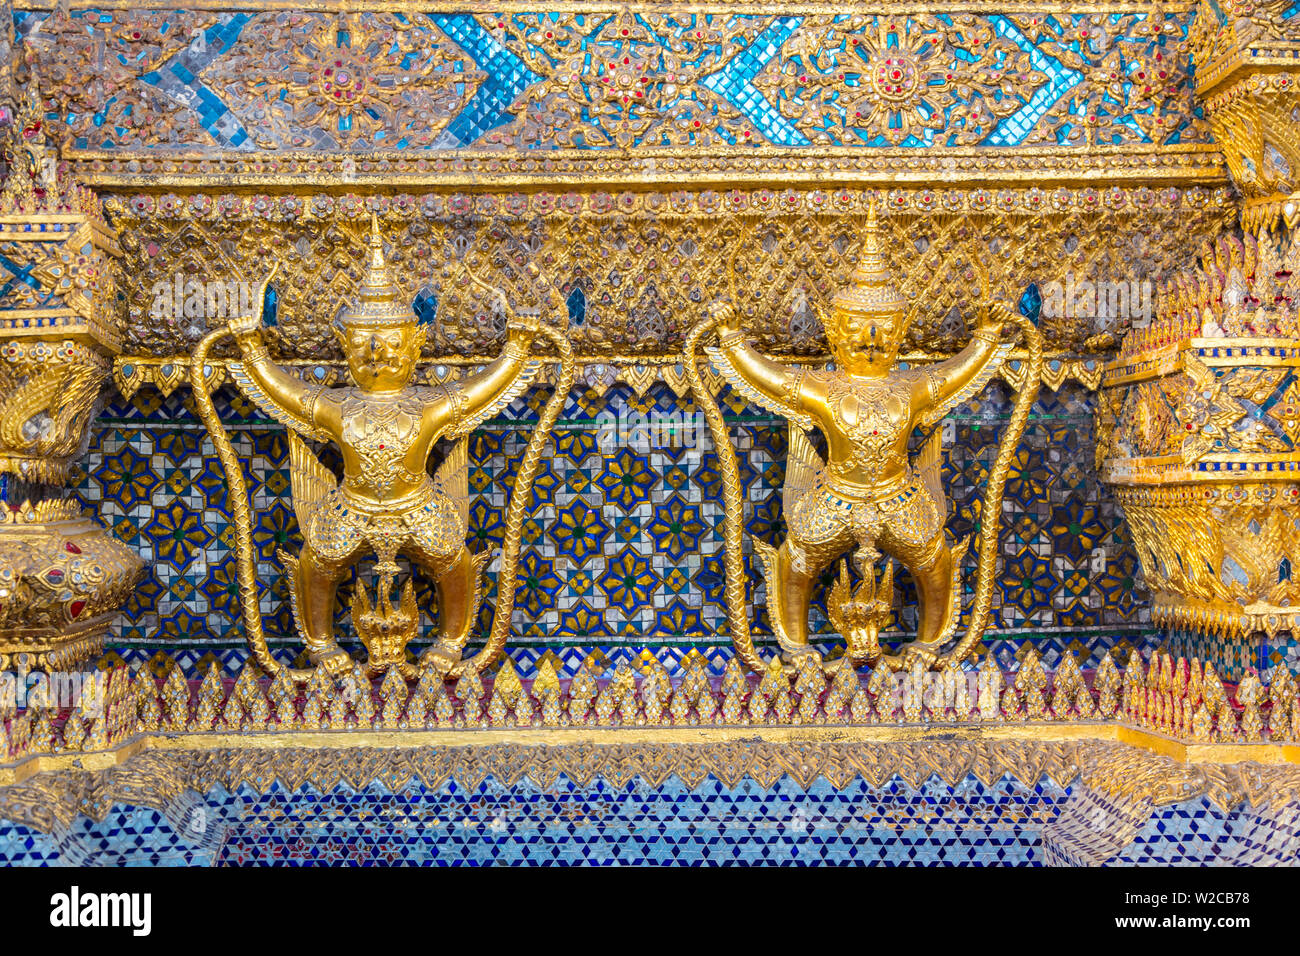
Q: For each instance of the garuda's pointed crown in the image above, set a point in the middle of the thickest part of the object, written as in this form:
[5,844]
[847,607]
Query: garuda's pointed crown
[871,288]
[378,301]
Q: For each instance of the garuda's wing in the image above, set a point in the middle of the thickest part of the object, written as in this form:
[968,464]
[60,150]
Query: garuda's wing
[1202,377]
[973,387]
[499,404]
[737,381]
[802,466]
[248,385]
[929,465]
[452,479]
[309,480]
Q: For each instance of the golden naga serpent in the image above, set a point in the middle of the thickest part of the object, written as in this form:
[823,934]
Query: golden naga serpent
[237,503]
[520,499]
[1031,377]
[733,499]
[732,505]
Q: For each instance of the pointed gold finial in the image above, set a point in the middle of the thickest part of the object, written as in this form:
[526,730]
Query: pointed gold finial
[378,298]
[871,287]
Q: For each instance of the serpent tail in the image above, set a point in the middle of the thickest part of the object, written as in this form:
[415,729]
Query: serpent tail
[992,511]
[520,502]
[237,503]
[732,506]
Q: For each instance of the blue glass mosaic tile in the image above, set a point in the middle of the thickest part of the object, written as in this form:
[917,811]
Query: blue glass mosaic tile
[605,824]
[597,824]
[610,78]
[624,543]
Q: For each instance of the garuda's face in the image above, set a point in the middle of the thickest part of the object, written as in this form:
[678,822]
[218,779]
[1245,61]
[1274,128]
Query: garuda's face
[865,343]
[381,358]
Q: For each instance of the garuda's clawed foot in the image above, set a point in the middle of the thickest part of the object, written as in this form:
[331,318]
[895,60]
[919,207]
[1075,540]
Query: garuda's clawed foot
[442,656]
[927,654]
[791,655]
[333,658]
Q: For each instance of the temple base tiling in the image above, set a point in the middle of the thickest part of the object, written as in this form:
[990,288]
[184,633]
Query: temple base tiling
[1027,802]
[601,823]
[1155,764]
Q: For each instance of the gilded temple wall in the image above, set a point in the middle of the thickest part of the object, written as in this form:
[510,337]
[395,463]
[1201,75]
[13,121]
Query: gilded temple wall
[629,151]
[637,155]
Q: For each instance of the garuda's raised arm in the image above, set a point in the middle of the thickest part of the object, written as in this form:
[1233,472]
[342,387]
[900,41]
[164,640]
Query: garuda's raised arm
[478,397]
[776,387]
[958,378]
[284,397]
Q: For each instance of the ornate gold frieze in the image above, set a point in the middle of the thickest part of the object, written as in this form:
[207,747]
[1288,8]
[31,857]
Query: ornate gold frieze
[1055,132]
[1067,145]
[637,269]
[593,372]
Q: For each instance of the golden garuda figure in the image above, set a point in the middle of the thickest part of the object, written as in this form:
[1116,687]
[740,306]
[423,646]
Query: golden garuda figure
[868,493]
[387,503]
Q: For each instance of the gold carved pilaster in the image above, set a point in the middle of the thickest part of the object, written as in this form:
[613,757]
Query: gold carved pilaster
[1248,81]
[1199,416]
[1199,435]
[61,575]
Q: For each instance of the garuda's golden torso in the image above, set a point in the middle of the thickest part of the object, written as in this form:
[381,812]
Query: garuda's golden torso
[866,424]
[385,441]
[867,487]
[386,497]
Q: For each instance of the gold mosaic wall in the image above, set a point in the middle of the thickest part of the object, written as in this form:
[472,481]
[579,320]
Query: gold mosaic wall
[630,150]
